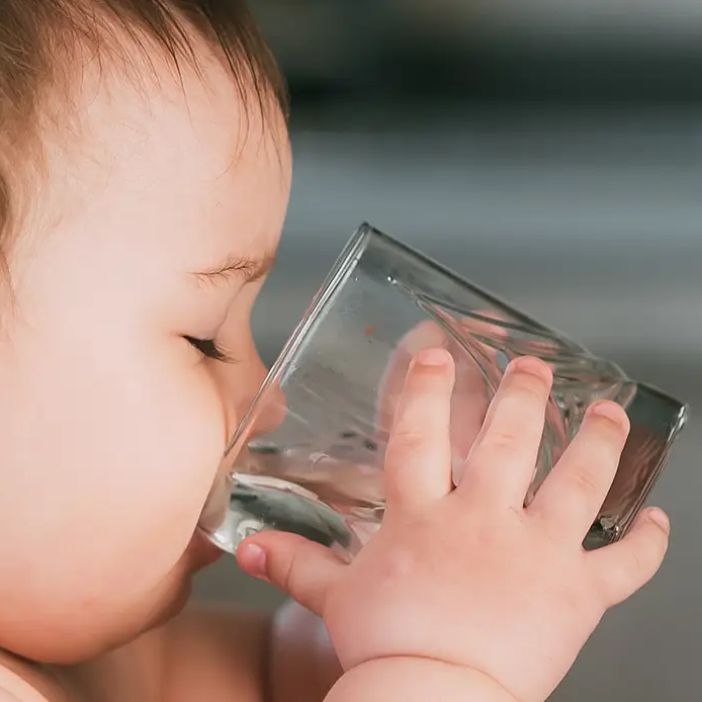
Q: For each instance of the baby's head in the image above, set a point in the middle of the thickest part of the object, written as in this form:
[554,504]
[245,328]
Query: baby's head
[144,177]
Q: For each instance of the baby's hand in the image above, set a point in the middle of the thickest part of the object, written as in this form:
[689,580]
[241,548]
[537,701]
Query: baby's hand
[469,576]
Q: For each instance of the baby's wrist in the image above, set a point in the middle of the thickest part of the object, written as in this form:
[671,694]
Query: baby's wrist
[414,679]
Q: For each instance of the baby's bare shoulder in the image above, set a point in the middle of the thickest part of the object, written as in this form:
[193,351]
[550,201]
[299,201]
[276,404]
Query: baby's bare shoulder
[21,683]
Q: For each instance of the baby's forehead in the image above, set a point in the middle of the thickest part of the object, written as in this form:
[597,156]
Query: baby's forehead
[144,93]
[180,173]
[131,114]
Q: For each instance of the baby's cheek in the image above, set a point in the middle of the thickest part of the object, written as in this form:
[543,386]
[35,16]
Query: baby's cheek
[169,459]
[105,476]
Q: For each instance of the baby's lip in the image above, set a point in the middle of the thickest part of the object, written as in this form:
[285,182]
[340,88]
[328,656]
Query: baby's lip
[214,510]
[201,551]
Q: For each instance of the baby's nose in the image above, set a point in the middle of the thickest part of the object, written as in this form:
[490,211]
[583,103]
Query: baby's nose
[270,408]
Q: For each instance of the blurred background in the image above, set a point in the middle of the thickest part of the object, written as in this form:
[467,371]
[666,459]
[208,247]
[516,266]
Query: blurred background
[552,152]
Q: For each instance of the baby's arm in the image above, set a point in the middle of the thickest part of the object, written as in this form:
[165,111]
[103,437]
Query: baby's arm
[416,680]
[250,657]
[303,665]
[290,659]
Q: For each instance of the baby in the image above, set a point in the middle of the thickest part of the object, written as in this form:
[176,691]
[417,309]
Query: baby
[144,176]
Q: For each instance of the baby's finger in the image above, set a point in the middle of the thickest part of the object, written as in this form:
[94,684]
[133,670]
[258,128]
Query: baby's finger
[471,391]
[626,566]
[303,569]
[501,463]
[572,495]
[418,456]
[425,335]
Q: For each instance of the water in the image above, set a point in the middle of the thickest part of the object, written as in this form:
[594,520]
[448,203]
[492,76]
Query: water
[322,509]
[335,503]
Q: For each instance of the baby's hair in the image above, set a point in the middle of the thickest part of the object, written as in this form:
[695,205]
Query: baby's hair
[40,39]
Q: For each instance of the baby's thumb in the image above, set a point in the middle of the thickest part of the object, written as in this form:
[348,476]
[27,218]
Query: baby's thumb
[302,568]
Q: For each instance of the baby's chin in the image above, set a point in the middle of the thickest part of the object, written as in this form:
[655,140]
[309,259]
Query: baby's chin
[200,554]
[76,640]
[169,599]
[176,587]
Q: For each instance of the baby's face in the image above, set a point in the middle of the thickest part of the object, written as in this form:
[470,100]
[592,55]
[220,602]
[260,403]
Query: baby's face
[112,422]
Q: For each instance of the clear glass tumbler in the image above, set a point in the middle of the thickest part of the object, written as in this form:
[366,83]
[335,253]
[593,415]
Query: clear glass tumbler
[318,472]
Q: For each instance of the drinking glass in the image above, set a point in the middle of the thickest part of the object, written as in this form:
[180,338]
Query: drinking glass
[318,468]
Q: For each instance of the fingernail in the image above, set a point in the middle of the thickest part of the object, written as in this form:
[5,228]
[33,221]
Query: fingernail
[608,410]
[433,357]
[528,364]
[253,560]
[660,519]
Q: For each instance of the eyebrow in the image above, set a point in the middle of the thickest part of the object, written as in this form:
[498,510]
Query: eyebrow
[247,270]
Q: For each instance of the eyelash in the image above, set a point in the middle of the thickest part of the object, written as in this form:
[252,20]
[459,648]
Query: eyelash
[209,349]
